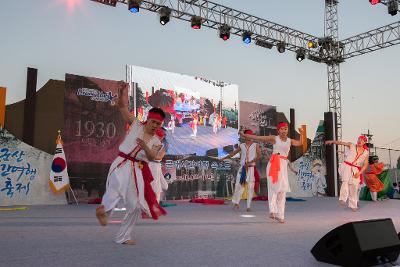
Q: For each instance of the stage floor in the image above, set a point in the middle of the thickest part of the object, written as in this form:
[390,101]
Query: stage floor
[190,235]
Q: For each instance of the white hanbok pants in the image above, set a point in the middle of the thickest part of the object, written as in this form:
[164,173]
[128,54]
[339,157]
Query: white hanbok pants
[121,191]
[237,196]
[276,202]
[349,191]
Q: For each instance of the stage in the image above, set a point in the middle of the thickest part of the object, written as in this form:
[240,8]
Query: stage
[190,235]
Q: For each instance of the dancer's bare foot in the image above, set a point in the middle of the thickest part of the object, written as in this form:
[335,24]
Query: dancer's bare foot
[101,215]
[272,216]
[248,209]
[354,209]
[236,207]
[342,203]
[129,242]
[280,220]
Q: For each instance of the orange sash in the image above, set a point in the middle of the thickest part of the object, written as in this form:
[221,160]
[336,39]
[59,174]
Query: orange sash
[275,167]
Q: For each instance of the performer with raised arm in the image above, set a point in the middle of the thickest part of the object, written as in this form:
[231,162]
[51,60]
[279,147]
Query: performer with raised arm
[351,170]
[277,169]
[250,152]
[129,179]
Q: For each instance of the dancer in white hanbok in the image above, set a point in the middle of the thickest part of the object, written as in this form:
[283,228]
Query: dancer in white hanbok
[250,152]
[129,179]
[172,124]
[351,170]
[277,169]
[215,123]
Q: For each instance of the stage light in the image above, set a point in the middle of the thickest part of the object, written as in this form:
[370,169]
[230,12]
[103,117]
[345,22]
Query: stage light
[281,47]
[374,2]
[165,12]
[133,5]
[311,44]
[224,32]
[300,55]
[393,7]
[195,22]
[246,37]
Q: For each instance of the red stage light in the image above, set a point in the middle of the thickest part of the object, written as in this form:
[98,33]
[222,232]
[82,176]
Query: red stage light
[374,2]
[224,32]
[196,22]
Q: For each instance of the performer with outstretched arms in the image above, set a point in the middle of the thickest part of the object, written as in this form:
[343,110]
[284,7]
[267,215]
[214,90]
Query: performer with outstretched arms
[277,169]
[129,179]
[350,171]
[250,152]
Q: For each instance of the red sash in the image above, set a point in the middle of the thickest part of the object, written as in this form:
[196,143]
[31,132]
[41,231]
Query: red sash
[256,180]
[155,209]
[359,168]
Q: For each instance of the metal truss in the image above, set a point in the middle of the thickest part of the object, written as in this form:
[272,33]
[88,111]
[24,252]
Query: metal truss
[215,15]
[331,52]
[329,49]
[373,40]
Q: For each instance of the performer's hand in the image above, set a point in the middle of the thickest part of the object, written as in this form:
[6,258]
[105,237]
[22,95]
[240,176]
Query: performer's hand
[301,131]
[141,143]
[241,133]
[357,174]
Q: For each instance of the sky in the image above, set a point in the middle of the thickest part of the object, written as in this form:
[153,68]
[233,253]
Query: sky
[86,38]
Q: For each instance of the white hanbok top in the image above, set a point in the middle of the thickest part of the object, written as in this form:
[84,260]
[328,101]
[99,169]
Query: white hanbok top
[282,148]
[125,170]
[346,171]
[247,154]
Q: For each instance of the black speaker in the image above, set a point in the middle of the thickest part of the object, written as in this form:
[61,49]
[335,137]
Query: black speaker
[363,243]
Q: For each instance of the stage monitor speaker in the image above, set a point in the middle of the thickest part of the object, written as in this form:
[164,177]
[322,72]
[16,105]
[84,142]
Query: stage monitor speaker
[212,152]
[363,243]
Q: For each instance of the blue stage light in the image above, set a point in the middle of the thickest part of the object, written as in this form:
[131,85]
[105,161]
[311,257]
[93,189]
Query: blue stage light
[134,10]
[246,37]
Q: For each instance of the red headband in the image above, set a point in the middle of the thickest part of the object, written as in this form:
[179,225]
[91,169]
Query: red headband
[364,138]
[282,124]
[155,116]
[248,132]
[160,133]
